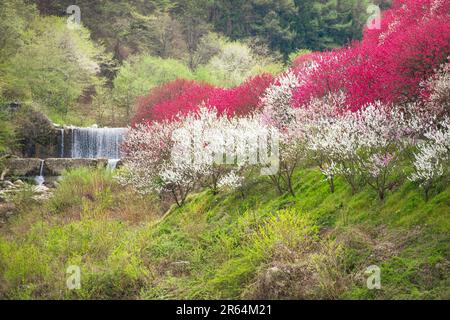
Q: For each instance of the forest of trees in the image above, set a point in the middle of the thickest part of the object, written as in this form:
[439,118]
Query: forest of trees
[173,28]
[93,74]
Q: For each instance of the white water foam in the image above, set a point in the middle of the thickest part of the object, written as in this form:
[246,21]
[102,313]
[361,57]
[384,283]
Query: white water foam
[40,179]
[95,143]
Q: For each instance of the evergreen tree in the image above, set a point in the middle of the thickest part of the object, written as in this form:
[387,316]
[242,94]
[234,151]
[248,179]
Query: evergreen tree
[327,24]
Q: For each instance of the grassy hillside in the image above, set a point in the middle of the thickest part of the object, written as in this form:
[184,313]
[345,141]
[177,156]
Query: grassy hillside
[314,245]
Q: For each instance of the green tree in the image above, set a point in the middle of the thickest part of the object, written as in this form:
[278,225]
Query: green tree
[270,20]
[15,16]
[326,24]
[127,27]
[193,16]
[140,74]
[53,67]
[124,27]
[6,133]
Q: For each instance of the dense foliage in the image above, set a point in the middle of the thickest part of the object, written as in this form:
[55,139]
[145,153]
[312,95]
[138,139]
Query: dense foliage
[44,61]
[324,110]
[238,180]
[389,64]
[181,97]
[175,27]
[97,72]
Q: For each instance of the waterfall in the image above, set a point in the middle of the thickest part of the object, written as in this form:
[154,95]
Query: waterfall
[112,164]
[62,143]
[95,143]
[40,178]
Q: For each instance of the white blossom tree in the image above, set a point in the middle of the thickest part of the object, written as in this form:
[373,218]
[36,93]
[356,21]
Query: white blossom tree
[148,164]
[384,134]
[278,113]
[202,149]
[363,146]
[432,159]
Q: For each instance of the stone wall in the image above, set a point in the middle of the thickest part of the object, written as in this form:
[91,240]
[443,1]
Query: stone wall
[38,136]
[22,167]
[18,167]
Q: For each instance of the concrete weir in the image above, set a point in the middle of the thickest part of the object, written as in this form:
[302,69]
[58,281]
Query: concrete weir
[18,167]
[68,148]
[96,143]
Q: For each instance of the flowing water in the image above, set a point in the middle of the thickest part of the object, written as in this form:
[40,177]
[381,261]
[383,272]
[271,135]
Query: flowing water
[112,164]
[62,143]
[95,143]
[40,178]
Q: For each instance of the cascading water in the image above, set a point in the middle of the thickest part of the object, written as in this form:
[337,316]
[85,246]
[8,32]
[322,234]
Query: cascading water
[62,143]
[96,143]
[112,164]
[40,178]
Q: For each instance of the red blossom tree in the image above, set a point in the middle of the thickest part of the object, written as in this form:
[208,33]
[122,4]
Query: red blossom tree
[241,100]
[168,100]
[389,64]
[181,97]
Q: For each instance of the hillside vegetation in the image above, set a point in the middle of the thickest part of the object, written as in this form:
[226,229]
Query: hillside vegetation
[314,245]
[93,72]
[275,150]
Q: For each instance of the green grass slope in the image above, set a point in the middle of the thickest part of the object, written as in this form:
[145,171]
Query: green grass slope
[266,246]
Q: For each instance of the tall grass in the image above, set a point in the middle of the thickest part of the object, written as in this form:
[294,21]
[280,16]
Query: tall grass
[314,245]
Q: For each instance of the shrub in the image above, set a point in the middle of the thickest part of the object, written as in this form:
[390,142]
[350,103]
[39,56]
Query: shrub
[79,185]
[23,270]
[171,100]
